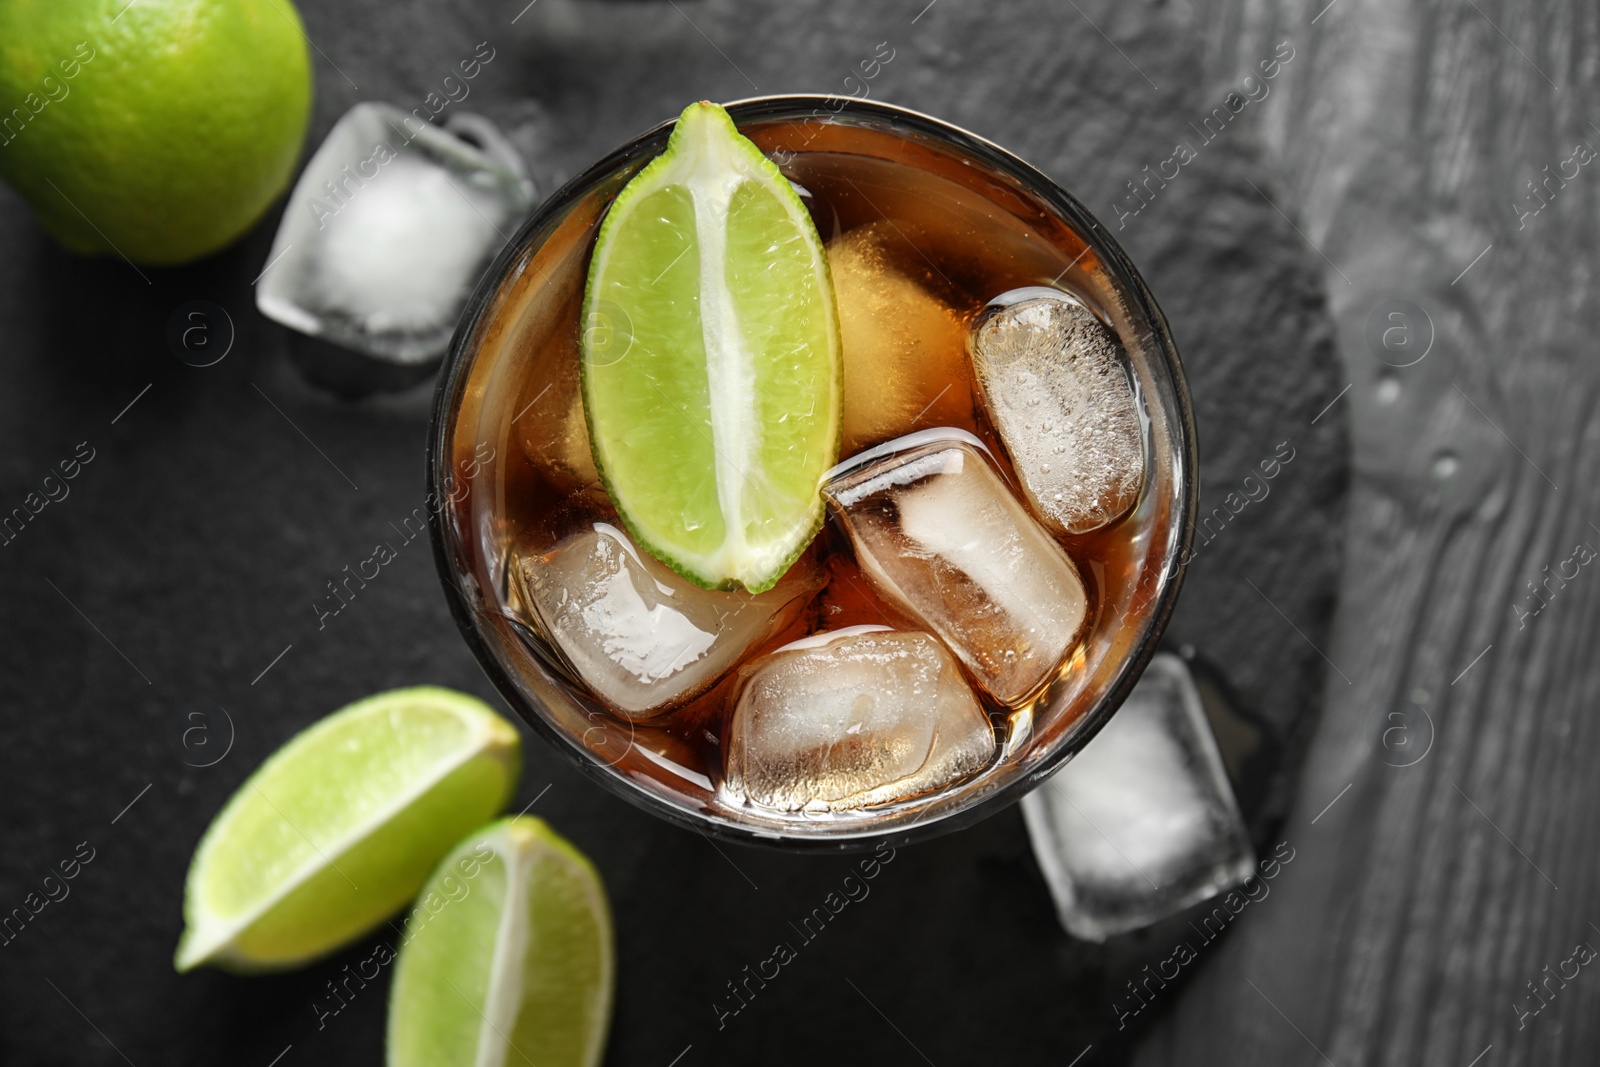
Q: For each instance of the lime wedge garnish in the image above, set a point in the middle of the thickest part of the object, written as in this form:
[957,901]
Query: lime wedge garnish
[710,356]
[339,827]
[513,962]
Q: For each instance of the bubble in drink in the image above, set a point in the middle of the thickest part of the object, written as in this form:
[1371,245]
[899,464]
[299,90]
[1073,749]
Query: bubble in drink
[937,532]
[641,637]
[1055,384]
[851,719]
[905,360]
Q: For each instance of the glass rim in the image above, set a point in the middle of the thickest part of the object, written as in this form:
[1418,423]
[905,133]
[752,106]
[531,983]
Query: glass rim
[459,360]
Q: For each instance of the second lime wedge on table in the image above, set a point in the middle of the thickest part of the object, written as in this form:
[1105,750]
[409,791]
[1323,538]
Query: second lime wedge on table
[339,828]
[516,966]
[711,359]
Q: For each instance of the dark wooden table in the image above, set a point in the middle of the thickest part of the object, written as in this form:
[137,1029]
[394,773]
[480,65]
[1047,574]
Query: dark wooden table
[1380,171]
[1438,879]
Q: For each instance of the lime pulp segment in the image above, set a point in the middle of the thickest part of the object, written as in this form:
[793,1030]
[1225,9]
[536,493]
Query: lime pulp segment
[711,359]
[338,829]
[515,966]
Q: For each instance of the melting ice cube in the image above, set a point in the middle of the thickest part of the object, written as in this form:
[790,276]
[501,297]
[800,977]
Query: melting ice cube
[553,432]
[388,228]
[641,637]
[1055,384]
[905,360]
[854,718]
[1142,823]
[938,533]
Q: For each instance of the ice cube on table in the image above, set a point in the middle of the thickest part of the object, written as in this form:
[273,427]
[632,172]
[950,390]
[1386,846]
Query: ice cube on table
[905,351]
[1055,384]
[1142,823]
[641,637]
[938,533]
[387,230]
[854,718]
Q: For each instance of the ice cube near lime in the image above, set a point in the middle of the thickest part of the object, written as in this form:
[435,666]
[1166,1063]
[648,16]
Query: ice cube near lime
[710,359]
[515,961]
[342,825]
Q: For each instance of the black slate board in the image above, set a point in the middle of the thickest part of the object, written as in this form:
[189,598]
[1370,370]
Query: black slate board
[178,576]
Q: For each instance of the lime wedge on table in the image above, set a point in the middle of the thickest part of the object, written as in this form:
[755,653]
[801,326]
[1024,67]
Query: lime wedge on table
[711,359]
[339,827]
[516,965]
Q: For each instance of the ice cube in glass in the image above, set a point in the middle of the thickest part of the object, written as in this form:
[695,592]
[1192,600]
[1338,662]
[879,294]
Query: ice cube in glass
[939,534]
[1055,383]
[641,637]
[905,349]
[853,718]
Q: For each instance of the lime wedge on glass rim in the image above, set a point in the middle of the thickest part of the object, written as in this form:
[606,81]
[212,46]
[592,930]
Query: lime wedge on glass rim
[516,965]
[710,359]
[340,826]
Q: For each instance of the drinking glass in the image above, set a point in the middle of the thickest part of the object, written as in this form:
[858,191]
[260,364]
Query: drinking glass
[527,306]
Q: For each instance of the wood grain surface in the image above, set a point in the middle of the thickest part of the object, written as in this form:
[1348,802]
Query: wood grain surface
[1457,860]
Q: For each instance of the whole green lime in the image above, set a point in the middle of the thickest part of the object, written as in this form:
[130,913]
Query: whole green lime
[158,130]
